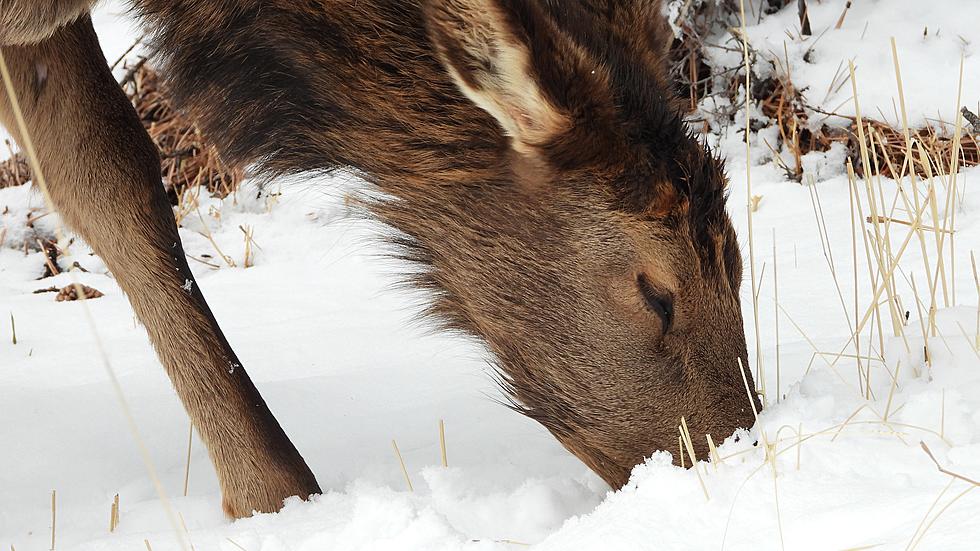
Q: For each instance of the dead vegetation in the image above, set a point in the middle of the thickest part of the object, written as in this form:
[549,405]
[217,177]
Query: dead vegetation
[187,159]
[887,148]
[802,126]
[13,170]
[71,292]
[787,108]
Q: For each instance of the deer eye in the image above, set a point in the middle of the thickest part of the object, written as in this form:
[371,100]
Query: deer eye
[657,302]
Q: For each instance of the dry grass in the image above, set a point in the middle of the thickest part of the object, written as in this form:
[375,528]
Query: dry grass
[71,292]
[697,21]
[888,150]
[689,70]
[54,516]
[788,108]
[401,462]
[915,209]
[803,127]
[442,443]
[14,171]
[783,103]
[187,159]
[114,514]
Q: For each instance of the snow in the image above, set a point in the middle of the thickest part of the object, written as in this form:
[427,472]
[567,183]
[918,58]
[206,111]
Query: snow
[345,365]
[931,37]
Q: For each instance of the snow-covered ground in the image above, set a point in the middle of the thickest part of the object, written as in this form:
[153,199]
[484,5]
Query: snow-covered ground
[338,355]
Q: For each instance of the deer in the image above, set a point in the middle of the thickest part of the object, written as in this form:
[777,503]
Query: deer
[533,162]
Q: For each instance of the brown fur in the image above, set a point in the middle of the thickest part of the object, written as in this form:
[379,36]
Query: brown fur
[535,167]
[26,22]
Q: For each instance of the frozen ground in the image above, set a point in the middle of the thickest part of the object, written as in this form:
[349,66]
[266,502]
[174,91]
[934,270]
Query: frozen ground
[339,358]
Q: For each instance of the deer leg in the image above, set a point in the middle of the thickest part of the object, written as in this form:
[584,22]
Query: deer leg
[103,173]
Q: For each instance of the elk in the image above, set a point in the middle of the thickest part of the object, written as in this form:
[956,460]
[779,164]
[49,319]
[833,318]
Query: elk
[531,157]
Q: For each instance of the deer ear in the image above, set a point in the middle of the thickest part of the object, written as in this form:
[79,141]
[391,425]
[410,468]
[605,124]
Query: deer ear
[488,55]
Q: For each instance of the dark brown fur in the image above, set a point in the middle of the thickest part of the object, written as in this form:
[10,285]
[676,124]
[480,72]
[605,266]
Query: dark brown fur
[535,166]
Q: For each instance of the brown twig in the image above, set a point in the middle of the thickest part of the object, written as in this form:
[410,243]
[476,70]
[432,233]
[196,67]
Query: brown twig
[957,476]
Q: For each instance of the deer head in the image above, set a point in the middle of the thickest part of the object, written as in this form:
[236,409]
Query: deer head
[595,256]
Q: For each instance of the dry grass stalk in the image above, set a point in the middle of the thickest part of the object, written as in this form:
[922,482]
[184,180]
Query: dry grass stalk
[686,438]
[398,454]
[207,234]
[187,465]
[748,391]
[923,527]
[948,223]
[932,506]
[847,421]
[942,415]
[799,444]
[976,281]
[952,190]
[968,480]
[54,516]
[891,392]
[114,514]
[713,451]
[857,287]
[770,451]
[13,329]
[761,382]
[817,352]
[840,20]
[187,532]
[829,257]
[976,351]
[775,290]
[890,220]
[51,253]
[915,542]
[680,449]
[249,231]
[879,231]
[883,249]
[442,443]
[883,261]
[908,156]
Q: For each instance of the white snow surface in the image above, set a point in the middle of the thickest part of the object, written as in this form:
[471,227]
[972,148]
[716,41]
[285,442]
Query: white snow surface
[338,354]
[931,38]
